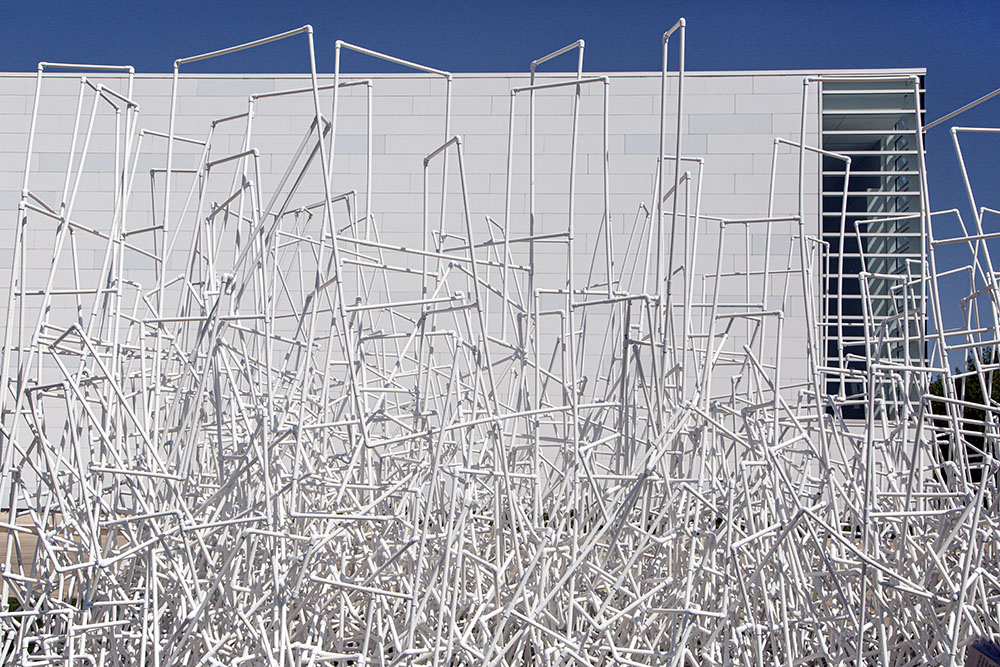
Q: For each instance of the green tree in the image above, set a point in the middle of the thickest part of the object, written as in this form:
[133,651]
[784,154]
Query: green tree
[969,387]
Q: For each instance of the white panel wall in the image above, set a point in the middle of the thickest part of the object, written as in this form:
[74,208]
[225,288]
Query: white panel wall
[730,119]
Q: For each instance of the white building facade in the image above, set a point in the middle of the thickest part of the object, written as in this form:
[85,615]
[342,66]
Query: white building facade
[730,120]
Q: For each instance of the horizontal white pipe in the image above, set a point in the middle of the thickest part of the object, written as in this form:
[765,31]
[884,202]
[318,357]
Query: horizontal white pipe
[298,91]
[974,103]
[560,84]
[96,68]
[391,59]
[681,22]
[242,47]
[578,44]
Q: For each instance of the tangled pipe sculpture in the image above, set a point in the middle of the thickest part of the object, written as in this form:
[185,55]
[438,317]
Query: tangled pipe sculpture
[268,434]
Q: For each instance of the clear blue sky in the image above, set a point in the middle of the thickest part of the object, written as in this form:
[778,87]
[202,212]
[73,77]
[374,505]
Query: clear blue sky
[958,43]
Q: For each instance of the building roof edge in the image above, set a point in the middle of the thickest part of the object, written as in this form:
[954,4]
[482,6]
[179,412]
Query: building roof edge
[875,71]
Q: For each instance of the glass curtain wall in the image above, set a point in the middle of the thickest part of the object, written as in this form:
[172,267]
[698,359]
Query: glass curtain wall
[875,123]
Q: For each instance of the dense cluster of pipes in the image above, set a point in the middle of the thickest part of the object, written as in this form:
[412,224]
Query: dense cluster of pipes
[272,453]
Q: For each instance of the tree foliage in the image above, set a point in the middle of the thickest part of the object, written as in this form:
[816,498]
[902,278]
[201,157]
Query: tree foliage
[970,387]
